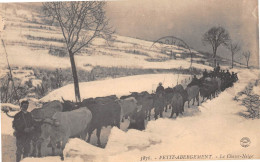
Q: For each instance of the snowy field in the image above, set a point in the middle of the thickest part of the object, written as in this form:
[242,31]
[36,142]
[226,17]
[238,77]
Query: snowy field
[118,86]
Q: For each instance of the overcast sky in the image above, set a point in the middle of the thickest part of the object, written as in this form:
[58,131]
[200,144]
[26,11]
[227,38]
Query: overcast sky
[188,20]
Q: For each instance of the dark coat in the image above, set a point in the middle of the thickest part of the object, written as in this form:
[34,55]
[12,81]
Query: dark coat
[195,81]
[160,90]
[217,69]
[21,121]
[205,74]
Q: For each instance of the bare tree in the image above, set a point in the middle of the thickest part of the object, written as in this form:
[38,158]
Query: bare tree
[216,36]
[80,23]
[247,56]
[234,48]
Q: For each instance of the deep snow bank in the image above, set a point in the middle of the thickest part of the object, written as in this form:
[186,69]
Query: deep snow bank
[217,130]
[6,123]
[118,86]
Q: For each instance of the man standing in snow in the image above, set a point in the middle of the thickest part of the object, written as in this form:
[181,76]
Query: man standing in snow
[234,77]
[160,90]
[195,80]
[205,74]
[159,102]
[228,75]
[23,126]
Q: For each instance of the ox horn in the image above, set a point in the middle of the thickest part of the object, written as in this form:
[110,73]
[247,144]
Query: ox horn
[62,99]
[10,116]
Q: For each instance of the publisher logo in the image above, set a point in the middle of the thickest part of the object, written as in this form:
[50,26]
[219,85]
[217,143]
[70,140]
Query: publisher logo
[245,142]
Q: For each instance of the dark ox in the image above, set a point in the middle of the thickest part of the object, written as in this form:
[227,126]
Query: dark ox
[209,88]
[169,92]
[105,112]
[137,119]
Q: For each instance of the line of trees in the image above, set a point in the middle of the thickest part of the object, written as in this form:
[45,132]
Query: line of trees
[217,36]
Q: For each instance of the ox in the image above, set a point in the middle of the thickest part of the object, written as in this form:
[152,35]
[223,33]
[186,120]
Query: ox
[128,106]
[177,104]
[137,119]
[145,99]
[39,114]
[158,103]
[209,88]
[105,112]
[179,88]
[219,82]
[64,125]
[47,110]
[168,94]
[193,93]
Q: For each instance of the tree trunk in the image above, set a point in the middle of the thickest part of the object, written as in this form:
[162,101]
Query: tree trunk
[75,77]
[247,64]
[214,56]
[232,60]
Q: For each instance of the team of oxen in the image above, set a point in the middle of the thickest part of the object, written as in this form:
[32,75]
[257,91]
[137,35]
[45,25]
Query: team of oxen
[59,121]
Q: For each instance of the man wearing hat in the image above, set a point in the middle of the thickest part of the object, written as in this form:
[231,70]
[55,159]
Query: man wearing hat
[217,68]
[159,101]
[205,73]
[23,126]
[160,89]
[234,77]
[195,80]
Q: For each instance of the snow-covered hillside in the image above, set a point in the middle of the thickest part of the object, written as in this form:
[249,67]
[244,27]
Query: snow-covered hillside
[34,40]
[216,131]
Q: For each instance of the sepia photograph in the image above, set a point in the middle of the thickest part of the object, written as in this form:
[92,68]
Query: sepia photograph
[129,80]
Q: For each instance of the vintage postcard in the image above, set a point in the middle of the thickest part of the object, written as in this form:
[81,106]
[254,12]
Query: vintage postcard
[129,81]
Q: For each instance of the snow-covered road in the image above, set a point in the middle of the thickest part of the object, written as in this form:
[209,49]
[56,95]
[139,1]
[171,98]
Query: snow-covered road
[216,131]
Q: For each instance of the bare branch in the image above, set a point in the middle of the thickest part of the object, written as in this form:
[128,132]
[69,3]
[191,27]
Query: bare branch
[247,56]
[80,22]
[233,47]
[216,36]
